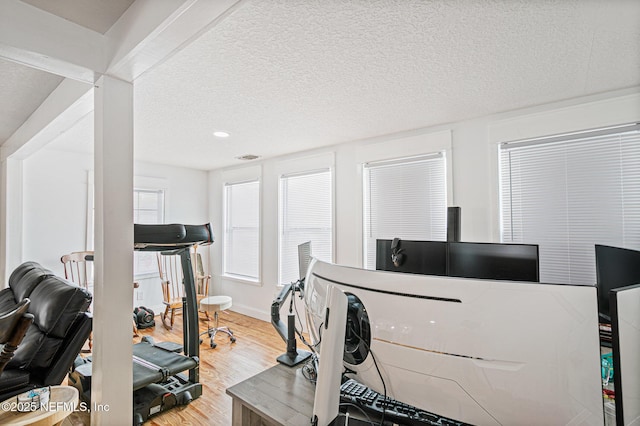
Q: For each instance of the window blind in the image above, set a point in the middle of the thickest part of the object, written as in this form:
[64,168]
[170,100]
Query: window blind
[242,230]
[306,214]
[404,198]
[567,194]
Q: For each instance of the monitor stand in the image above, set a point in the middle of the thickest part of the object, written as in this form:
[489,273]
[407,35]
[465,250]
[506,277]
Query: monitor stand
[293,356]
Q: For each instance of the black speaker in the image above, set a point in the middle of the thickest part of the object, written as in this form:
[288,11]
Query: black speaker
[454,224]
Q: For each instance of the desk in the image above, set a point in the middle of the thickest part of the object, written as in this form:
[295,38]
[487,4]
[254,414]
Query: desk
[279,396]
[62,402]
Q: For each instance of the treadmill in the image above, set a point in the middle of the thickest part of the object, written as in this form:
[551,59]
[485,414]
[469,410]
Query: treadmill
[162,377]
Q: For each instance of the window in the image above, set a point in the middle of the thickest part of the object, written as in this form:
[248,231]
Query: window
[242,230]
[404,198]
[305,215]
[567,193]
[148,208]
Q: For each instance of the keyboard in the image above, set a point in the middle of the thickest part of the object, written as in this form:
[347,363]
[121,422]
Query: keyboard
[374,403]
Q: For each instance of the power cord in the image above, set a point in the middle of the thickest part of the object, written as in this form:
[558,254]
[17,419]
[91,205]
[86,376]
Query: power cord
[309,370]
[298,331]
[364,413]
[375,363]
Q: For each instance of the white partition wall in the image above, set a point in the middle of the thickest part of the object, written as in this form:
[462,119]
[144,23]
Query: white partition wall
[625,329]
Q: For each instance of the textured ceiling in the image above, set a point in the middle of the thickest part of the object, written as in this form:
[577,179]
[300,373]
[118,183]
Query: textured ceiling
[283,76]
[22,90]
[97,15]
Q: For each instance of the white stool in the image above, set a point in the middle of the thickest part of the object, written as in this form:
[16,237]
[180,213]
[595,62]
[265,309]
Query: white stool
[215,304]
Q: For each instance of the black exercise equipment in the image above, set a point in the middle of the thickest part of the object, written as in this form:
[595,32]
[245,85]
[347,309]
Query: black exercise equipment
[144,318]
[159,379]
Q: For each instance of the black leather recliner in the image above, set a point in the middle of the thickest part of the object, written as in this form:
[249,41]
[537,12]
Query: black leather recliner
[60,328]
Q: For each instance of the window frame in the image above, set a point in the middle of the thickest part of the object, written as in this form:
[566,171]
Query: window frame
[366,190]
[162,210]
[282,218]
[508,227]
[225,219]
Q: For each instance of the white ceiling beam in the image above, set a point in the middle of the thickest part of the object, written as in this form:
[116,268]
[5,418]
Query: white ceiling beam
[67,104]
[41,40]
[150,31]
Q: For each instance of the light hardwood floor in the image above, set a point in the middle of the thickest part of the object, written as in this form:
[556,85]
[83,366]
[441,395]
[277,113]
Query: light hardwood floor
[256,349]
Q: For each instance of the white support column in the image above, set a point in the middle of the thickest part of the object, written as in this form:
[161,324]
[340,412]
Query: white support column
[112,352]
[10,218]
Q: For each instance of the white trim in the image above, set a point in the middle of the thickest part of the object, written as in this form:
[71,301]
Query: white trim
[305,164]
[242,174]
[226,185]
[241,279]
[280,218]
[405,147]
[596,114]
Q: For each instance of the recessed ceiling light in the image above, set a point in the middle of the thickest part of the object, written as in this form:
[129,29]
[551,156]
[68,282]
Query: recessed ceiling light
[220,134]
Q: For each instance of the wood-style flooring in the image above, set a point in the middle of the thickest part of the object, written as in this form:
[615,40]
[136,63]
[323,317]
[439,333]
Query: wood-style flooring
[256,349]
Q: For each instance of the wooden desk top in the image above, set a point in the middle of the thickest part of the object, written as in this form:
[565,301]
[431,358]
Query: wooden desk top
[281,394]
[62,402]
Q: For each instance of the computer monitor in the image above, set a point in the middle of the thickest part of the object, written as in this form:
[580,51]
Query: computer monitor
[514,262]
[615,267]
[478,351]
[304,258]
[419,257]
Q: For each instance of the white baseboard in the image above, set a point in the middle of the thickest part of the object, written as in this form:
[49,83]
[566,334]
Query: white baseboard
[252,312]
[241,309]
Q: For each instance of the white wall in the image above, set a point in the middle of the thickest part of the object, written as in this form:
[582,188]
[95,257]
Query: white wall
[55,207]
[471,148]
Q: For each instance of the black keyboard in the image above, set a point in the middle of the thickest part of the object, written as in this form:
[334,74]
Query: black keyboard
[374,403]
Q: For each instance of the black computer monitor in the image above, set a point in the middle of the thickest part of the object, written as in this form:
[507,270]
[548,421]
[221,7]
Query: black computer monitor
[419,257]
[615,267]
[514,262]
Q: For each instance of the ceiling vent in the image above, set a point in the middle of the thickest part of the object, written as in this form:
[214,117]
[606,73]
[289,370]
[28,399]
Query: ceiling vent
[248,157]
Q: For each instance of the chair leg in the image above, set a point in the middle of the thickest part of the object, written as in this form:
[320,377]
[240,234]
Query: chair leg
[173,312]
[164,319]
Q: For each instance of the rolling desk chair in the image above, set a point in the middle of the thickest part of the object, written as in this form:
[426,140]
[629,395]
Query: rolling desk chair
[215,304]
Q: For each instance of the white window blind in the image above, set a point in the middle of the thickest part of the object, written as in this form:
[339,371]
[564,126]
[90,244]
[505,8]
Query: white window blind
[305,215]
[242,230]
[404,198]
[148,208]
[567,194]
